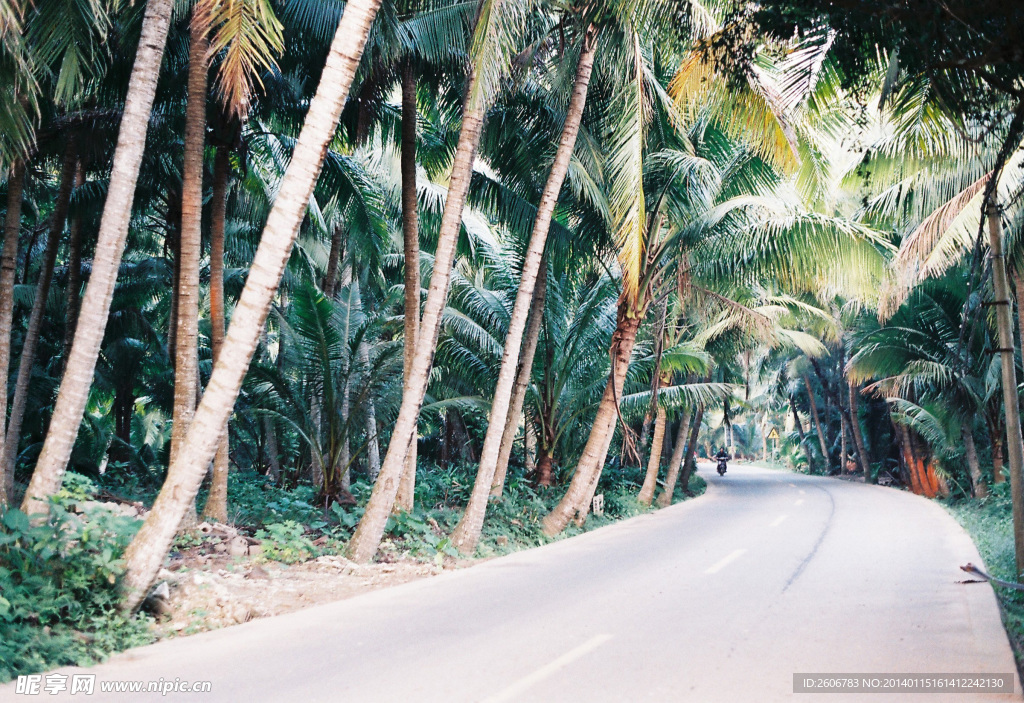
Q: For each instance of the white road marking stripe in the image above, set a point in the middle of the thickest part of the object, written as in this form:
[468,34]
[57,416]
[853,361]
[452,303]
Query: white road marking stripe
[792,485]
[725,562]
[777,521]
[803,493]
[548,669]
[799,502]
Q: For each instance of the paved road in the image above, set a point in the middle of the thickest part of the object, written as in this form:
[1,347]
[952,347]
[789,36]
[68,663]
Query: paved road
[722,598]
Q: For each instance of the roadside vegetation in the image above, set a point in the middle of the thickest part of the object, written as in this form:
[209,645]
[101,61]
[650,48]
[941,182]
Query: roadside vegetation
[286,281]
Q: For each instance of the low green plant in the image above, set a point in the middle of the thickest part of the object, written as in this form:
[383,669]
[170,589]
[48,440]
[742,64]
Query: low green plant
[59,587]
[989,522]
[286,542]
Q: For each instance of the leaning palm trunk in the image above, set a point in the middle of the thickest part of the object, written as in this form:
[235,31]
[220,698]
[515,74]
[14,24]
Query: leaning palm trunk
[411,249]
[1004,321]
[654,461]
[9,455]
[8,266]
[92,317]
[147,551]
[515,408]
[588,471]
[467,532]
[675,463]
[216,507]
[367,536]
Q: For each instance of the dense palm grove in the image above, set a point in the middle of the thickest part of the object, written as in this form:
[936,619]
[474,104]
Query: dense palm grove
[462,254]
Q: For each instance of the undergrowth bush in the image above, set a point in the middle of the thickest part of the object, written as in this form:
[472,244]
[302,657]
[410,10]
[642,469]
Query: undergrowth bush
[59,586]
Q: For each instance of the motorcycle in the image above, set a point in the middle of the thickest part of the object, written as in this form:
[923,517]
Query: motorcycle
[722,467]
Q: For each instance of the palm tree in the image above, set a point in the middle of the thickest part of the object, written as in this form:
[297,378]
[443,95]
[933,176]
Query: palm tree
[92,316]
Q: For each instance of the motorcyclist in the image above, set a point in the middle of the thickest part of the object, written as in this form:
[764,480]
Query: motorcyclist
[722,455]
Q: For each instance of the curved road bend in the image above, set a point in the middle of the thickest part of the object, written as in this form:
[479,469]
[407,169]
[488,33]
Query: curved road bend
[722,598]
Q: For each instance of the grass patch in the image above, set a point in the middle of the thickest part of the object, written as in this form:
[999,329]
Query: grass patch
[989,522]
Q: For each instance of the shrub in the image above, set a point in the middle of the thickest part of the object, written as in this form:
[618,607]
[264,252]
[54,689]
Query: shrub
[59,586]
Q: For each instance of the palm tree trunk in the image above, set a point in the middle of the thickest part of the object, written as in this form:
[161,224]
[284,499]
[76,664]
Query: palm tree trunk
[411,249]
[523,376]
[270,446]
[216,507]
[172,316]
[92,317]
[74,285]
[366,539]
[9,454]
[800,429]
[654,461]
[978,487]
[529,447]
[372,444]
[675,463]
[690,463]
[1004,321]
[817,420]
[186,354]
[345,456]
[8,267]
[186,324]
[467,532]
[147,551]
[858,437]
[330,282]
[588,471]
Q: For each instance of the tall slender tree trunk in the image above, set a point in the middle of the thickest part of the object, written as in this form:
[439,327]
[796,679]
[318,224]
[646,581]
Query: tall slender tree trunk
[8,267]
[186,352]
[411,250]
[330,282]
[588,471]
[216,507]
[690,462]
[345,455]
[800,429]
[529,447]
[149,548]
[523,376]
[858,436]
[1004,321]
[172,316]
[92,318]
[270,446]
[675,462]
[467,532]
[74,285]
[817,421]
[372,442]
[654,461]
[9,454]
[978,487]
[190,238]
[367,536]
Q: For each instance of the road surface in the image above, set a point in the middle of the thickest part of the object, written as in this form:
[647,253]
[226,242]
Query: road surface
[722,598]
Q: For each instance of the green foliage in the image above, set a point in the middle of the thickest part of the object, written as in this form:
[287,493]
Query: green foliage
[989,521]
[286,542]
[59,587]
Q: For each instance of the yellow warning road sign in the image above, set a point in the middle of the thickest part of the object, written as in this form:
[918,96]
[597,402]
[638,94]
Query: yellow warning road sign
[774,434]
